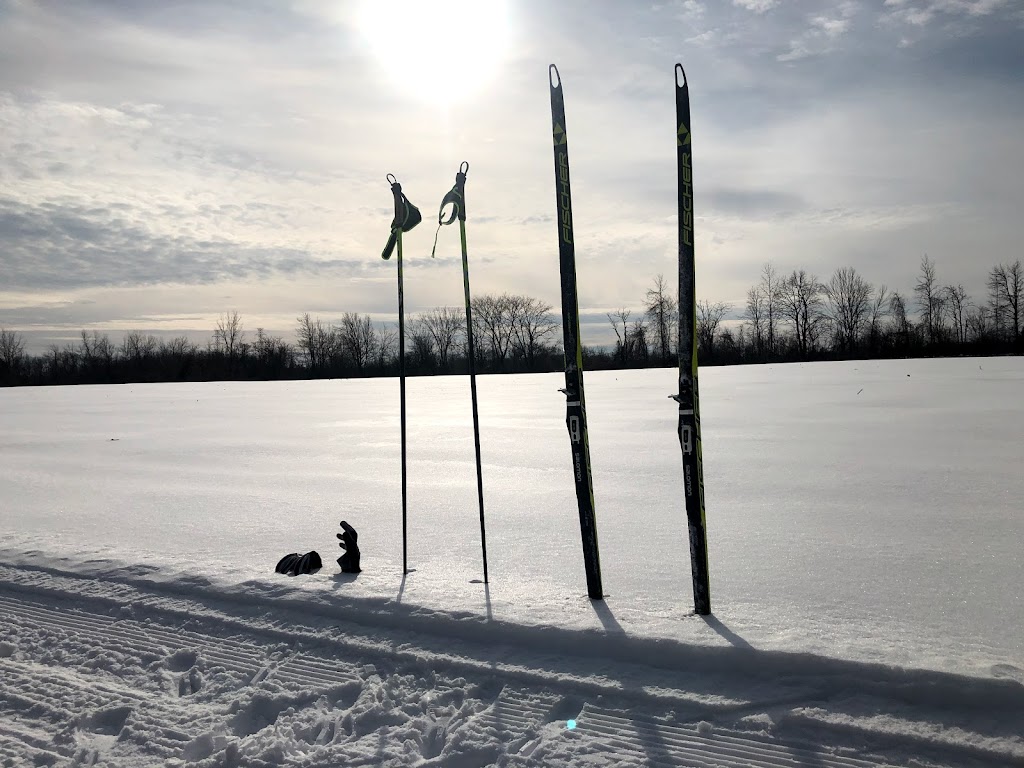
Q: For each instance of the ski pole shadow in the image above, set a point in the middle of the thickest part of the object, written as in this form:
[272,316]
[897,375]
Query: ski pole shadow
[401,589]
[486,597]
[607,618]
[735,640]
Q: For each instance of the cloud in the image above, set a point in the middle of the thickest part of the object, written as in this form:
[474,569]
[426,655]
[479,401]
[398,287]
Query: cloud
[751,204]
[822,33]
[155,159]
[691,9]
[64,246]
[756,6]
[922,12]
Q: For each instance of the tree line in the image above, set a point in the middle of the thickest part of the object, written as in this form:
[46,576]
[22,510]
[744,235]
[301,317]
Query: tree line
[785,317]
[797,316]
[511,332]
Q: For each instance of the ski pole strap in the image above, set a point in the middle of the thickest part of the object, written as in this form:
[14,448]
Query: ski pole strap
[407,216]
[456,197]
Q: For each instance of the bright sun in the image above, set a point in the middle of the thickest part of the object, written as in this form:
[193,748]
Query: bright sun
[440,50]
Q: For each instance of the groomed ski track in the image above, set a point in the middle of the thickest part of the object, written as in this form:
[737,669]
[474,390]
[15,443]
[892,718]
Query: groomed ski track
[131,669]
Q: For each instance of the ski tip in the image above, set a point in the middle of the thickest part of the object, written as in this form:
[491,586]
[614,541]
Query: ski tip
[680,72]
[554,78]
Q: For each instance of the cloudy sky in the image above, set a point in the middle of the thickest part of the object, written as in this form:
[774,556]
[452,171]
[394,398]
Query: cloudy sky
[164,162]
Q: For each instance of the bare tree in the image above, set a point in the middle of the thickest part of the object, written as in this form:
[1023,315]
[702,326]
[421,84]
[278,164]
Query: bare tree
[421,347]
[849,299]
[709,317]
[272,352]
[901,326]
[978,323]
[638,345]
[446,326]
[803,309]
[879,309]
[728,343]
[998,311]
[958,302]
[53,361]
[357,339]
[96,352]
[622,339]
[137,347]
[1006,282]
[492,314]
[12,350]
[660,308]
[931,300]
[177,356]
[316,341]
[228,336]
[178,348]
[96,349]
[387,346]
[533,324]
[754,313]
[61,363]
[771,287]
[86,350]
[264,346]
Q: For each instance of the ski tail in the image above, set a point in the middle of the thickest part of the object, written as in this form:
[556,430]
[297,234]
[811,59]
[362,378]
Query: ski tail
[688,397]
[575,403]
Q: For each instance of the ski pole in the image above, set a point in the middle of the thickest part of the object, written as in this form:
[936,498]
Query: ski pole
[407,216]
[456,197]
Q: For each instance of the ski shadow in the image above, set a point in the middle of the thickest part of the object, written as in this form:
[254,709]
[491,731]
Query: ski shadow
[607,618]
[735,640]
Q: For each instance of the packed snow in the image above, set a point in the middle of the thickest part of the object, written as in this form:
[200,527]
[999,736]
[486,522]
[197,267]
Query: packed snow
[864,535]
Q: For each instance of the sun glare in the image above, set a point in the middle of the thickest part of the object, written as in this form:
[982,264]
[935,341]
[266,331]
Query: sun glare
[438,50]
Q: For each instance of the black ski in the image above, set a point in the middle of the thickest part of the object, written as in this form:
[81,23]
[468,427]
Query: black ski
[575,404]
[688,398]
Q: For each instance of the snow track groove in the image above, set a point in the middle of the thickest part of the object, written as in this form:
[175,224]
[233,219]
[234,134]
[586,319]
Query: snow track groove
[303,670]
[515,713]
[668,744]
[144,639]
[100,672]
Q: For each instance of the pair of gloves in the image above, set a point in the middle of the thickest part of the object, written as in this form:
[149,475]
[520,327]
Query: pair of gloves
[295,564]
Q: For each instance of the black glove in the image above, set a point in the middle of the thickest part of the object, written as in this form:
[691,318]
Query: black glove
[349,560]
[295,564]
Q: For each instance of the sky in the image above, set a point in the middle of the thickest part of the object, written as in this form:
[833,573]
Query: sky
[162,164]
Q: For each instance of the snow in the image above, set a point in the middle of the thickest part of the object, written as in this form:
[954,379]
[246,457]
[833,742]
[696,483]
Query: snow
[864,538]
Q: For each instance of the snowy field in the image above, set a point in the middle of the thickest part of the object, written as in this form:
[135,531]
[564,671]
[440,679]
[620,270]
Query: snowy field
[865,537]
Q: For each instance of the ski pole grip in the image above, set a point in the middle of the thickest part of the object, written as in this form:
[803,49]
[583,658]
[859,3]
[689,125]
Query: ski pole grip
[390,247]
[396,190]
[456,197]
[460,185]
